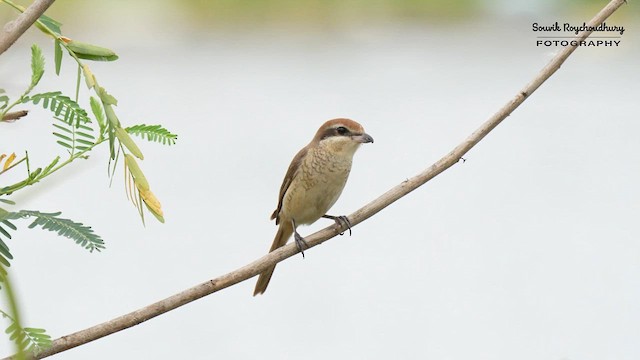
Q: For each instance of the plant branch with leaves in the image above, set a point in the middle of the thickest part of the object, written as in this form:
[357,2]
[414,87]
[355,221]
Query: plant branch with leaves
[78,133]
[69,112]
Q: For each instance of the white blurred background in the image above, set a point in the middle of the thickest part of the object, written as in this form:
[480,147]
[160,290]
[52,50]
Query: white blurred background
[527,250]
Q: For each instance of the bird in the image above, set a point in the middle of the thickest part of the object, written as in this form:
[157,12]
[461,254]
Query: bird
[313,183]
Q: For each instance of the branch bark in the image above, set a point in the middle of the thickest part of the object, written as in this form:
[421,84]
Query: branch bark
[256,267]
[13,116]
[14,29]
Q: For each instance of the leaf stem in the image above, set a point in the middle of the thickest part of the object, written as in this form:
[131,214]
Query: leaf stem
[30,181]
[78,80]
[13,306]
[13,165]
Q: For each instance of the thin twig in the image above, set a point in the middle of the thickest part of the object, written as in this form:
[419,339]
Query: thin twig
[13,116]
[13,165]
[256,267]
[14,29]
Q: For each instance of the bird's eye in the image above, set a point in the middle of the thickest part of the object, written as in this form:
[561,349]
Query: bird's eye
[342,130]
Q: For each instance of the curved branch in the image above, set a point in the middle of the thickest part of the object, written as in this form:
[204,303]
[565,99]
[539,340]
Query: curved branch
[256,267]
[14,29]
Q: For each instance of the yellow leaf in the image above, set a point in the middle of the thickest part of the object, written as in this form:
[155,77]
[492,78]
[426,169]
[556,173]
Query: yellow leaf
[152,203]
[10,159]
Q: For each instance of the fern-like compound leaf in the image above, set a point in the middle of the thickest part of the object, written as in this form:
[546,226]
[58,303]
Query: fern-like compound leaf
[38,339]
[37,66]
[72,137]
[83,235]
[5,254]
[62,106]
[155,133]
[32,340]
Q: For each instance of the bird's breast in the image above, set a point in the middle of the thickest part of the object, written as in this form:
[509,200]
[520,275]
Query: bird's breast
[316,187]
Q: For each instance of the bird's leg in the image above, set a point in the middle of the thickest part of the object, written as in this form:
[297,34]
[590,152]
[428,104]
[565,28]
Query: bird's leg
[340,220]
[298,239]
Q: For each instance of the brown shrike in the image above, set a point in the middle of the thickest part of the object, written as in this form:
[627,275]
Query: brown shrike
[313,183]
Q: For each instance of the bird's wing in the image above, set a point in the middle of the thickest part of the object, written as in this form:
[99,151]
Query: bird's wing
[288,178]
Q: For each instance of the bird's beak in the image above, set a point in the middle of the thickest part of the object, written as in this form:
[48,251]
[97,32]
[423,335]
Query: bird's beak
[363,138]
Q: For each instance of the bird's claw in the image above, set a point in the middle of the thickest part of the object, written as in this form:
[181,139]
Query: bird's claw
[300,242]
[346,222]
[340,221]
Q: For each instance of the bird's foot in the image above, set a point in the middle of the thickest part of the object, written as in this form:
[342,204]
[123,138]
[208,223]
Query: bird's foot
[300,243]
[340,221]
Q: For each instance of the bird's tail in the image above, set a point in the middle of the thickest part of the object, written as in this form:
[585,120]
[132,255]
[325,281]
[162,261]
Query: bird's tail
[284,233]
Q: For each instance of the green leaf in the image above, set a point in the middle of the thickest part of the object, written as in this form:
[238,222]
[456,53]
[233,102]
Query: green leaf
[85,135]
[50,166]
[63,137]
[5,254]
[57,51]
[61,105]
[34,331]
[83,235]
[63,128]
[155,133]
[64,144]
[9,224]
[84,142]
[39,339]
[111,133]
[107,99]
[11,329]
[4,232]
[51,24]
[37,66]
[84,127]
[4,100]
[71,137]
[88,51]
[58,109]
[35,173]
[29,339]
[97,57]
[128,142]
[4,251]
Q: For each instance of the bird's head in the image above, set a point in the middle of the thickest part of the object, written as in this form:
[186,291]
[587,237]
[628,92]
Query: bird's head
[342,136]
